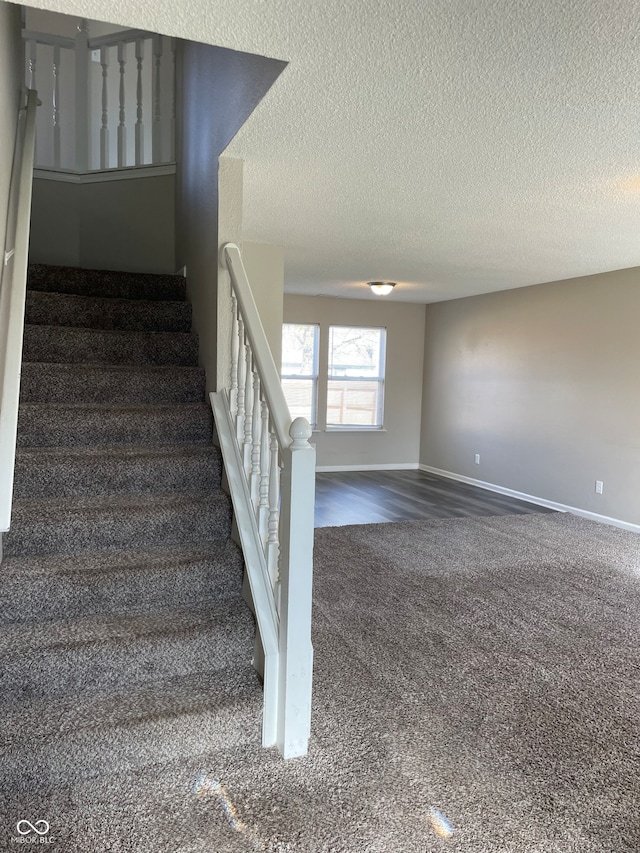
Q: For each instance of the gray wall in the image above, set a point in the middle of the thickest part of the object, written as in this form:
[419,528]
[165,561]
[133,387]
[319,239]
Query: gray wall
[398,444]
[544,383]
[111,224]
[265,270]
[218,89]
[11,82]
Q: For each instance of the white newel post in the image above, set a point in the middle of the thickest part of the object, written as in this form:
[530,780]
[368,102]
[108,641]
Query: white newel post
[296,579]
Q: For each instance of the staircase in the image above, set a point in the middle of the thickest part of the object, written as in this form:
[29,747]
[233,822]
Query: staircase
[121,611]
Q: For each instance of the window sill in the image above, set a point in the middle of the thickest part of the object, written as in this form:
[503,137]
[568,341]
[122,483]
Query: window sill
[353,429]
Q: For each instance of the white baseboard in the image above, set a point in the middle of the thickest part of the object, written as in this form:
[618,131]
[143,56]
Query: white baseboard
[404,466]
[490,487]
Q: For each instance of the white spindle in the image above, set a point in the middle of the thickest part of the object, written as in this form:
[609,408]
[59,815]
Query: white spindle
[122,126]
[263,498]
[104,129]
[82,97]
[248,412]
[156,130]
[241,385]
[235,346]
[172,133]
[254,476]
[33,63]
[139,123]
[273,547]
[56,106]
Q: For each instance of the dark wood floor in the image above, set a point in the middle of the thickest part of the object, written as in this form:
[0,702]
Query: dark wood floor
[367,497]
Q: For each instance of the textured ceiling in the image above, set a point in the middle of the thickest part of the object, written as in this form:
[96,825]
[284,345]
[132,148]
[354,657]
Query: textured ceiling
[455,146]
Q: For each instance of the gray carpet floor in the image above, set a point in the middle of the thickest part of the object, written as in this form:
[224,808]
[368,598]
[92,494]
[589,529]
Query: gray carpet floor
[477,689]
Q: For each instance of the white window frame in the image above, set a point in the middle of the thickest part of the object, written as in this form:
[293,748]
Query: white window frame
[313,377]
[379,379]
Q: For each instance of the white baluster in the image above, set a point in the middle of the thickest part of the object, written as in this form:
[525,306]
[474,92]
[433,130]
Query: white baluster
[156,130]
[241,386]
[235,346]
[33,63]
[104,129]
[263,499]
[248,412]
[254,481]
[273,545]
[122,127]
[83,111]
[172,129]
[56,106]
[139,124]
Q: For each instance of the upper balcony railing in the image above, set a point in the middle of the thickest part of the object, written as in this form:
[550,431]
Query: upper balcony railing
[107,102]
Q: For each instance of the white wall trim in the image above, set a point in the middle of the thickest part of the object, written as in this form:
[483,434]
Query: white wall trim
[109,175]
[583,513]
[403,466]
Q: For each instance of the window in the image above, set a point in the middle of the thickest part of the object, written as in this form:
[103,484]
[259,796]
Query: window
[356,376]
[300,369]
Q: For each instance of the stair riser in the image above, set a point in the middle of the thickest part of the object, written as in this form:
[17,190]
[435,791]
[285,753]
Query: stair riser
[78,594]
[55,309]
[95,346]
[122,285]
[39,476]
[114,528]
[118,663]
[41,426]
[70,383]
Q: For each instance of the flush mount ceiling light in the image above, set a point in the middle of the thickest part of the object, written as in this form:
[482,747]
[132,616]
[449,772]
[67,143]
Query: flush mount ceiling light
[381,288]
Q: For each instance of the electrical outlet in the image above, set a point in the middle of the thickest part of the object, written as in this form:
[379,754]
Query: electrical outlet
[477,459]
[599,487]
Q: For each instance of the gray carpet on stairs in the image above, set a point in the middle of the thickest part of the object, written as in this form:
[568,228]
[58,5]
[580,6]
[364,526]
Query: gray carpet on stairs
[121,590]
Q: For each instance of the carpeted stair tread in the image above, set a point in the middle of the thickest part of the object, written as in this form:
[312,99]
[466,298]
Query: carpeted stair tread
[111,283]
[121,651]
[52,472]
[64,309]
[69,424]
[119,582]
[70,344]
[119,384]
[113,522]
[155,703]
[157,723]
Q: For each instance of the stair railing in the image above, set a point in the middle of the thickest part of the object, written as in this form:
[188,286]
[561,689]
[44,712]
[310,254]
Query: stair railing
[270,468]
[13,287]
[110,100]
